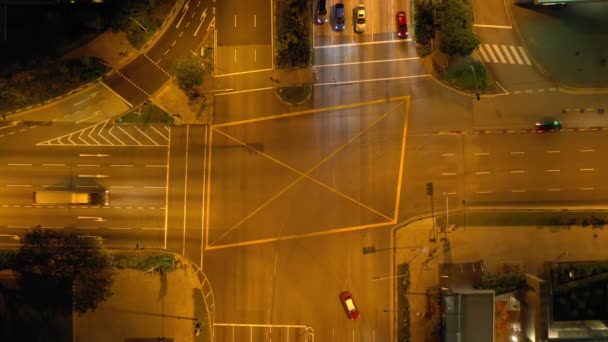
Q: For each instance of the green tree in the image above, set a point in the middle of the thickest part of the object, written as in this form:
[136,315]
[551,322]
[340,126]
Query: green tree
[189,73]
[456,23]
[504,283]
[61,271]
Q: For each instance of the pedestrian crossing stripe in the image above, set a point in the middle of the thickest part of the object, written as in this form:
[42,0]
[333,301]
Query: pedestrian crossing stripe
[503,54]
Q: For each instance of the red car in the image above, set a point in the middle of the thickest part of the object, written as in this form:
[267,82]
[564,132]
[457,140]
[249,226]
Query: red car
[349,305]
[402,25]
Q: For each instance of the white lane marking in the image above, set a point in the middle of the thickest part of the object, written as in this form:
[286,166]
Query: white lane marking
[235,20]
[19,185]
[553,170]
[524,55]
[147,136]
[448,174]
[507,27]
[19,164]
[517,171]
[448,154]
[185,10]
[483,192]
[122,165]
[19,227]
[587,169]
[53,164]
[86,165]
[586,150]
[482,173]
[481,153]
[553,151]
[86,186]
[337,46]
[255,21]
[129,135]
[367,62]
[483,54]
[506,52]
[514,51]
[554,190]
[488,49]
[202,20]
[518,190]
[585,189]
[151,228]
[95,113]
[159,133]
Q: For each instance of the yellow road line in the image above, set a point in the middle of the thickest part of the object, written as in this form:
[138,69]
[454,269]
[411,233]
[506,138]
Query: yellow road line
[298,236]
[402,161]
[308,111]
[302,175]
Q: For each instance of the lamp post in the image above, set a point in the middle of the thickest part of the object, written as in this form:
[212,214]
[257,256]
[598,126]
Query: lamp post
[429,192]
[447,218]
[475,80]
[138,23]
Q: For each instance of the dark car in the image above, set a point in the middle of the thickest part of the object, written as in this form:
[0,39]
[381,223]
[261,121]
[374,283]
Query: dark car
[321,13]
[340,18]
[349,305]
[548,126]
[402,25]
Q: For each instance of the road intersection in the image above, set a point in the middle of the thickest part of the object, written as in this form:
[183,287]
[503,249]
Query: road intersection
[275,201]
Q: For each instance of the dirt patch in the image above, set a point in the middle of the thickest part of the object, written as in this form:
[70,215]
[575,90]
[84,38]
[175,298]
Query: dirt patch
[112,47]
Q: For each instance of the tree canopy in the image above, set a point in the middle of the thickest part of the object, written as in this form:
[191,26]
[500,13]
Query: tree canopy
[62,271]
[189,73]
[453,19]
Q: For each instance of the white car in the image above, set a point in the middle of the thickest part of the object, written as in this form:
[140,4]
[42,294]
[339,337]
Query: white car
[360,20]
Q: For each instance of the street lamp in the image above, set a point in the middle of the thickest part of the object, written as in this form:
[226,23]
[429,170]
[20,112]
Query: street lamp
[138,23]
[429,192]
[475,79]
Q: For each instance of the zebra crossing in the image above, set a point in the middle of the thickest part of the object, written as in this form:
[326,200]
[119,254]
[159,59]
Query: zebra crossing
[504,54]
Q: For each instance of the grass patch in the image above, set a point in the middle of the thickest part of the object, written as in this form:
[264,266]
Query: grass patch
[403,305]
[560,219]
[146,114]
[460,75]
[295,94]
[145,261]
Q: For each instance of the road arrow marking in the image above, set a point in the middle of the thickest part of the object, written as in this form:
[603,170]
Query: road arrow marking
[203,16]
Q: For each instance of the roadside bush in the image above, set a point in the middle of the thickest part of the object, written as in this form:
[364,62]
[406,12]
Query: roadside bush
[157,263]
[504,283]
[293,35]
[424,25]
[189,74]
[43,80]
[7,259]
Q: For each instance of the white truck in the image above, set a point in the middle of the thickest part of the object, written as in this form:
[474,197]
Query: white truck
[72,197]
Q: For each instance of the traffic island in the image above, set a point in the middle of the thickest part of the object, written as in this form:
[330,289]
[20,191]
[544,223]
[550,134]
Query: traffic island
[294,95]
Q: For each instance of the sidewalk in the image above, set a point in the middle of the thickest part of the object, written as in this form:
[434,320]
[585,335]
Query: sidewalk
[567,44]
[494,245]
[147,305]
